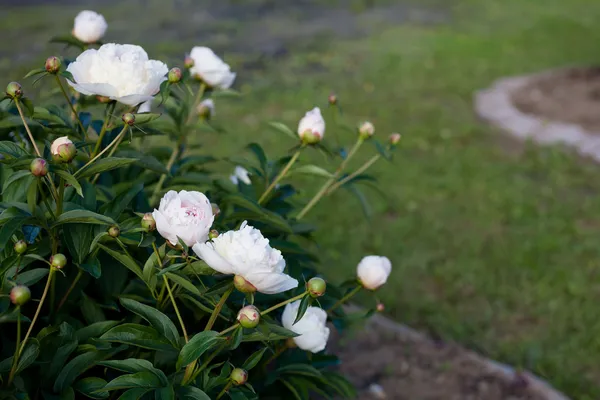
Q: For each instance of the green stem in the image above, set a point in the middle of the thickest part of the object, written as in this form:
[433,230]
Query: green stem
[61,195]
[283,303]
[205,363]
[115,140]
[225,389]
[196,103]
[280,176]
[345,298]
[37,151]
[185,335]
[330,181]
[66,295]
[359,171]
[217,310]
[16,355]
[109,110]
[64,92]
[45,198]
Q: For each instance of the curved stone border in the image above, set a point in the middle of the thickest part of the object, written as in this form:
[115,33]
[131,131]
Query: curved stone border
[534,384]
[494,105]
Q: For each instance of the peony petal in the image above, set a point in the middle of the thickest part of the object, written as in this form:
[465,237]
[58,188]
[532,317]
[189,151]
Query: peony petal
[170,200]
[164,228]
[270,282]
[214,260]
[132,99]
[91,89]
[228,81]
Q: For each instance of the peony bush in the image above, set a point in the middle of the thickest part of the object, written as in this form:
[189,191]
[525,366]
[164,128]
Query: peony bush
[137,272]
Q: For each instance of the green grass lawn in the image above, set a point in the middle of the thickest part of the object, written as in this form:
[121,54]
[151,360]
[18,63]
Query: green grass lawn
[494,242]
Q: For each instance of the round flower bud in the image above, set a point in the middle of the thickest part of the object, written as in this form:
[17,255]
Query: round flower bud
[20,247]
[52,65]
[188,62]
[332,99]
[128,118]
[249,317]
[394,138]
[14,90]
[174,75]
[20,295]
[316,287]
[380,307]
[239,376]
[311,127]
[243,285]
[148,222]
[114,231]
[366,130]
[311,137]
[39,167]
[373,271]
[63,150]
[215,209]
[213,233]
[58,260]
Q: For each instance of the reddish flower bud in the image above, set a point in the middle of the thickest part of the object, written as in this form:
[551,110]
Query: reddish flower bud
[239,376]
[39,167]
[332,99]
[366,130]
[249,317]
[128,118]
[114,231]
[52,65]
[20,295]
[148,222]
[316,287]
[394,138]
[380,307]
[174,75]
[188,62]
[14,90]
[213,234]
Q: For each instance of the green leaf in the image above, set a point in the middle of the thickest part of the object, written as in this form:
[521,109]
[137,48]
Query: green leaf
[145,118]
[171,268]
[92,267]
[184,283]
[83,217]
[105,164]
[14,177]
[33,72]
[304,303]
[269,216]
[137,335]
[254,359]
[282,128]
[127,261]
[166,393]
[115,207]
[12,149]
[197,346]
[68,40]
[133,365]
[78,239]
[94,330]
[27,106]
[74,368]
[152,164]
[158,320]
[91,387]
[29,355]
[31,277]
[70,179]
[9,228]
[312,170]
[300,369]
[260,155]
[191,393]
[145,379]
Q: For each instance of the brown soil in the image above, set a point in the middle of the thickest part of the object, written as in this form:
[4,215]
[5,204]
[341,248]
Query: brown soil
[411,367]
[570,95]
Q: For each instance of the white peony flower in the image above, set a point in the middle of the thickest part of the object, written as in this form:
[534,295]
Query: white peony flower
[312,124]
[247,254]
[187,215]
[121,72]
[240,174]
[55,146]
[145,107]
[89,26]
[373,271]
[210,68]
[312,327]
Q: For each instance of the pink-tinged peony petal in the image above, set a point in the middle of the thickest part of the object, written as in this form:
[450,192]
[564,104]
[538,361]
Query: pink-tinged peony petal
[170,200]
[207,253]
[164,228]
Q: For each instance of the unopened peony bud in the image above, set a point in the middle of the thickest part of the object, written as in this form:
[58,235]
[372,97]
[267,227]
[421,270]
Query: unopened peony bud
[213,233]
[249,317]
[316,287]
[380,307]
[20,247]
[63,150]
[243,285]
[14,90]
[52,65]
[148,222]
[114,231]
[174,75]
[58,260]
[89,26]
[39,167]
[373,271]
[311,137]
[366,130]
[128,118]
[20,295]
[394,138]
[103,99]
[215,209]
[206,109]
[311,127]
[188,62]
[239,376]
[332,99]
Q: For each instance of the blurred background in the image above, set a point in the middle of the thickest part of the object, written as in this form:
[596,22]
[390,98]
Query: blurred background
[494,242]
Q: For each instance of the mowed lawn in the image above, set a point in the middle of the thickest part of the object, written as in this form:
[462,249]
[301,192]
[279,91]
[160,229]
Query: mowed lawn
[494,243]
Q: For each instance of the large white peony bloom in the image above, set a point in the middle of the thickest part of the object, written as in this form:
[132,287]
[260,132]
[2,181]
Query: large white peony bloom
[121,72]
[89,26]
[187,215]
[373,271]
[247,254]
[312,327]
[312,124]
[240,174]
[210,68]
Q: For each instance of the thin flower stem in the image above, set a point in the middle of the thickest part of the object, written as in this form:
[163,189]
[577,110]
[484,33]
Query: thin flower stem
[109,110]
[283,303]
[280,176]
[116,140]
[204,364]
[359,171]
[45,199]
[196,102]
[185,335]
[345,298]
[37,151]
[64,92]
[217,310]
[225,389]
[61,195]
[66,295]
[232,327]
[16,355]
[330,181]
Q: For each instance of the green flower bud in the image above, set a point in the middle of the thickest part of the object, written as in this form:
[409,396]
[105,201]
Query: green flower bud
[243,285]
[366,130]
[114,231]
[188,62]
[20,247]
[316,287]
[239,376]
[58,260]
[63,150]
[213,234]
[20,295]
[39,167]
[53,65]
[14,90]
[249,317]
[311,137]
[128,118]
[174,75]
[148,222]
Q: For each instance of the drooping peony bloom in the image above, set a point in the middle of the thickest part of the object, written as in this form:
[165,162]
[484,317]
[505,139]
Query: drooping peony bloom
[89,26]
[312,327]
[373,271]
[121,72]
[210,68]
[240,174]
[312,126]
[187,215]
[248,255]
